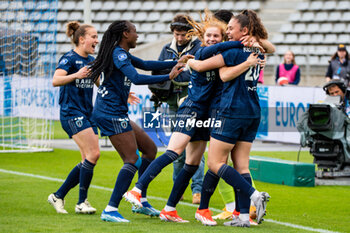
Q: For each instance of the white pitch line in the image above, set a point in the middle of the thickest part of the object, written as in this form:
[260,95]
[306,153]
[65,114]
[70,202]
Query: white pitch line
[299,226]
[163,199]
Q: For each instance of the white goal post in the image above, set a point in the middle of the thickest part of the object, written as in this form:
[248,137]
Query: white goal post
[27,61]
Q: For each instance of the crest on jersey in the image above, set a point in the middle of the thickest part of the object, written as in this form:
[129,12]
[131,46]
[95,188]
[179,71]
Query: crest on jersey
[64,61]
[124,124]
[122,57]
[79,121]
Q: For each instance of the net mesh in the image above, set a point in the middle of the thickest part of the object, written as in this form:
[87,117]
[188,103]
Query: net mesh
[27,62]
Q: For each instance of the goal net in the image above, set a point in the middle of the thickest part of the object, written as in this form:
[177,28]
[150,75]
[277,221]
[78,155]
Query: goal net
[27,62]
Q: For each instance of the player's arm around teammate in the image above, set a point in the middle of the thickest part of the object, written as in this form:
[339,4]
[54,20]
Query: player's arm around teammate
[218,61]
[245,109]
[75,113]
[194,138]
[114,64]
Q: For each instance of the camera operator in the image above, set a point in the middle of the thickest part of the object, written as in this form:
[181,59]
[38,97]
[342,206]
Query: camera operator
[179,46]
[173,91]
[339,66]
[338,88]
[324,129]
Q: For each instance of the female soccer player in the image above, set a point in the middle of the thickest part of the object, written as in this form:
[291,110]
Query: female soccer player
[116,66]
[195,108]
[239,113]
[75,113]
[227,193]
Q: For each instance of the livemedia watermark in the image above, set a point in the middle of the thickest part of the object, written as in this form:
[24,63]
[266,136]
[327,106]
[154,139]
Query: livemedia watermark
[158,119]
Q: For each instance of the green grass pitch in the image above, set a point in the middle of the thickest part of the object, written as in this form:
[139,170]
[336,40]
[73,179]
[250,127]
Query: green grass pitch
[24,207]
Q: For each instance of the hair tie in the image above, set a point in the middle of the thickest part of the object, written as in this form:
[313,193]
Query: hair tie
[181,24]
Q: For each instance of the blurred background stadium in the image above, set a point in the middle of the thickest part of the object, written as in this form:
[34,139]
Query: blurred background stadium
[32,38]
[311,29]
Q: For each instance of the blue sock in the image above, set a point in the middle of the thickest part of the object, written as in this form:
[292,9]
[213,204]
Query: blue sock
[145,163]
[71,181]
[244,199]
[237,204]
[181,183]
[233,178]
[122,184]
[86,172]
[155,168]
[209,185]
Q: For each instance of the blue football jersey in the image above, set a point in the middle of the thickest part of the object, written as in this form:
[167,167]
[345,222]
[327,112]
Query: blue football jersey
[112,95]
[200,87]
[216,95]
[204,88]
[75,97]
[239,97]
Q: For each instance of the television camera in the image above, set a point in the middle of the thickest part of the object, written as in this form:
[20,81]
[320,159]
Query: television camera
[161,91]
[325,128]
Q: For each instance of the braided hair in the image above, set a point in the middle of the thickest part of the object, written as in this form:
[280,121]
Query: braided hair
[250,20]
[111,38]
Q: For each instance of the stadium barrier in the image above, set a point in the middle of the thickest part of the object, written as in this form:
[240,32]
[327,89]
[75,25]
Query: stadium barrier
[278,171]
[281,107]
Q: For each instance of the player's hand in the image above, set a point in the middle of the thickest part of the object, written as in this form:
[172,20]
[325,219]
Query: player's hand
[133,99]
[83,73]
[185,58]
[253,59]
[191,63]
[248,40]
[188,68]
[176,70]
[257,45]
[251,41]
[262,62]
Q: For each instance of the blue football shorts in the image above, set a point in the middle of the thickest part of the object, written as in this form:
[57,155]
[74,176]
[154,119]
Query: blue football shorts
[214,115]
[187,121]
[75,124]
[112,125]
[236,129]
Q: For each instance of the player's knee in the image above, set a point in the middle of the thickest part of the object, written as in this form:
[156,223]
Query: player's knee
[213,166]
[150,152]
[243,171]
[93,156]
[241,168]
[132,159]
[153,150]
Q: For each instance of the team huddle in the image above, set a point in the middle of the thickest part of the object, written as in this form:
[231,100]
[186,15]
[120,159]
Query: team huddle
[223,77]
